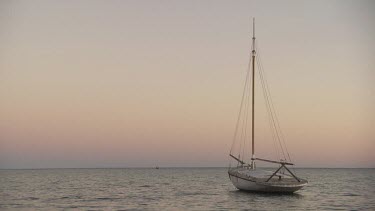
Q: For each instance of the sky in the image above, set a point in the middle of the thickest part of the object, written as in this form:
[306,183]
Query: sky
[87,84]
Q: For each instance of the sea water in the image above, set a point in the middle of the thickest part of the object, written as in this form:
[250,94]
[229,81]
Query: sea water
[178,189]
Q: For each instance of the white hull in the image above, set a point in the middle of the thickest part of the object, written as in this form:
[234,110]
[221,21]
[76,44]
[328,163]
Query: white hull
[259,185]
[247,185]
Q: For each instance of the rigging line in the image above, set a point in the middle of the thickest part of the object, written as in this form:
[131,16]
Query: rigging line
[271,128]
[270,115]
[247,130]
[274,138]
[268,105]
[239,113]
[277,120]
[274,111]
[246,121]
[276,117]
[242,123]
[243,126]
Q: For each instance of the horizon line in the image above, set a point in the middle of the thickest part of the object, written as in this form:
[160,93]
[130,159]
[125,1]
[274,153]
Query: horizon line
[170,167]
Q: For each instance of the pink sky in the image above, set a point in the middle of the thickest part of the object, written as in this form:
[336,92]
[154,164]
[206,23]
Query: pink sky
[144,83]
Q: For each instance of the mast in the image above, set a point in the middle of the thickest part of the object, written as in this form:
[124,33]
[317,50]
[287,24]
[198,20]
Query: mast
[253,96]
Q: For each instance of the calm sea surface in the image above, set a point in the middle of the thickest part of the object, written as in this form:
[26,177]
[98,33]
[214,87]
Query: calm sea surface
[178,189]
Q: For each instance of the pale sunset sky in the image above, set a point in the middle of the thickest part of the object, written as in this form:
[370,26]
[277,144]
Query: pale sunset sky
[159,83]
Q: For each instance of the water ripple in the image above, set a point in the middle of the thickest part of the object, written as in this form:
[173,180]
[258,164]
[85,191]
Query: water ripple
[178,189]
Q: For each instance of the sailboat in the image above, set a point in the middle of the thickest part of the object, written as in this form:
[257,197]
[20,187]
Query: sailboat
[243,173]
